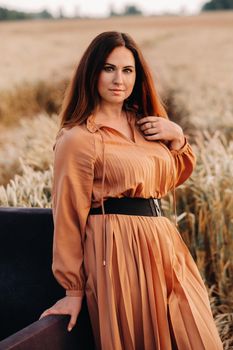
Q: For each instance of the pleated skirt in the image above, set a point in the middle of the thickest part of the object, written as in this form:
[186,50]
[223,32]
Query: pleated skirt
[150,294]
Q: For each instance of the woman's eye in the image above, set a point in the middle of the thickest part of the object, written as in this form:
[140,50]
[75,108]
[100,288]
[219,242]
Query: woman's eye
[128,70]
[108,69]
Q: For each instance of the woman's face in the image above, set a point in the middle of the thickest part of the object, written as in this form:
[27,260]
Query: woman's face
[117,78]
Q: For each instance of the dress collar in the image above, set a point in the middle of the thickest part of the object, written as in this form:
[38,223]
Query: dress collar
[92,126]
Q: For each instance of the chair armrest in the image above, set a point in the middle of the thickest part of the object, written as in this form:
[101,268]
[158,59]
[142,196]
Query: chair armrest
[48,333]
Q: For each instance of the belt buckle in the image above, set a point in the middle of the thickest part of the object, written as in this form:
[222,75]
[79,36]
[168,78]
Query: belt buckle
[157,207]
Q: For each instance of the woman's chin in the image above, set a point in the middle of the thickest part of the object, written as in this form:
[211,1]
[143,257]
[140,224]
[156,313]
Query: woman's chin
[114,100]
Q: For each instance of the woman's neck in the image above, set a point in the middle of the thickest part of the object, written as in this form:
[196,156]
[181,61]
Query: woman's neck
[110,112]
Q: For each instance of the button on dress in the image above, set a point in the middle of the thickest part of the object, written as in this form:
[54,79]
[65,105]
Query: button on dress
[142,286]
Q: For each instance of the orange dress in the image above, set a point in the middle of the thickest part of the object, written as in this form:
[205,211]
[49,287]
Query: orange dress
[150,286]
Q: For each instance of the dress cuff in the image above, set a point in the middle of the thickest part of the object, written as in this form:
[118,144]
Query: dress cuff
[74,293]
[182,149]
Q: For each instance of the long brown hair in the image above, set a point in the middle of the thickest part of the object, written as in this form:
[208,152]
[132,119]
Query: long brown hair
[82,98]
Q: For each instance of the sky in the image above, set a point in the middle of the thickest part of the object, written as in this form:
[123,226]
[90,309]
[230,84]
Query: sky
[100,8]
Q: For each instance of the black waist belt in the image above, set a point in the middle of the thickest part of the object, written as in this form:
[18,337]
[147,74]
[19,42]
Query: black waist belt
[130,206]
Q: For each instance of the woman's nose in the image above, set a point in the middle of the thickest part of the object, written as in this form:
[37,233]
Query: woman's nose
[118,79]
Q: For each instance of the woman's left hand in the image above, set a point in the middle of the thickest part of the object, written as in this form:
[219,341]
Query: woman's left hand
[157,128]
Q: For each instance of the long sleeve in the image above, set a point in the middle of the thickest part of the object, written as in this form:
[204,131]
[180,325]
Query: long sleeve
[184,160]
[71,201]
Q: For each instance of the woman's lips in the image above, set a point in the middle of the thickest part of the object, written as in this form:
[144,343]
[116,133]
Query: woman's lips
[116,92]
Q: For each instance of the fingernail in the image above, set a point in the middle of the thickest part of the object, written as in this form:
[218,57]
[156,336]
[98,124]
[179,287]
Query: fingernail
[69,329]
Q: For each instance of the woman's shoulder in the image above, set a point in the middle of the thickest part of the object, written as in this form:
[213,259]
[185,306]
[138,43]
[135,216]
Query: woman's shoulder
[76,137]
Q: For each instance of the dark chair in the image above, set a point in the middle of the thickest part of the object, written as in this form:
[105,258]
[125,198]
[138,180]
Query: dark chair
[27,286]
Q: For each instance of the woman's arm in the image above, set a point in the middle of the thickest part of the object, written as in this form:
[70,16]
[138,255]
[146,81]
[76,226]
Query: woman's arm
[71,201]
[158,128]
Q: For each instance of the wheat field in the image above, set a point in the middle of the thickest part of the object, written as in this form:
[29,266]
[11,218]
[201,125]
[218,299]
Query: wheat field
[191,58]
[191,55]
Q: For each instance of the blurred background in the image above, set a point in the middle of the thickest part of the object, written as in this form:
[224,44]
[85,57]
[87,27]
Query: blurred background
[188,45]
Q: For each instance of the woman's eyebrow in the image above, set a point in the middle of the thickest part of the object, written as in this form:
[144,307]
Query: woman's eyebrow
[113,65]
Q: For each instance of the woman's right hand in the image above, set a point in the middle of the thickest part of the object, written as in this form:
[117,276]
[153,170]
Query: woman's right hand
[68,305]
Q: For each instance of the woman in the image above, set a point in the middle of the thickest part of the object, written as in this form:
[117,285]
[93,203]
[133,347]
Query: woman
[116,155]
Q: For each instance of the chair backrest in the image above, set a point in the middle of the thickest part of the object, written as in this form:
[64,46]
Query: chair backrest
[27,285]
